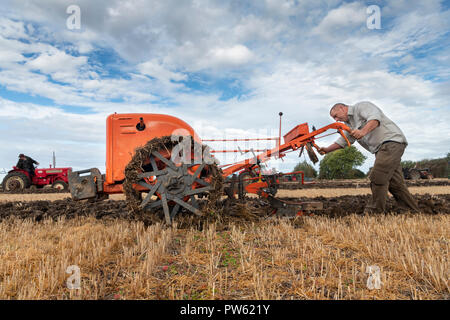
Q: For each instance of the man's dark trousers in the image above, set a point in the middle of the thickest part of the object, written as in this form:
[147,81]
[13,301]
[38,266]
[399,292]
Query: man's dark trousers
[386,175]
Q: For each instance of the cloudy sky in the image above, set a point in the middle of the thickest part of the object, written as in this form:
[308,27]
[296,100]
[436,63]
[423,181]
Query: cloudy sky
[225,67]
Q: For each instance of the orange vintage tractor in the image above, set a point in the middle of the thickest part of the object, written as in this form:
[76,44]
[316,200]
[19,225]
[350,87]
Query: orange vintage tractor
[161,157]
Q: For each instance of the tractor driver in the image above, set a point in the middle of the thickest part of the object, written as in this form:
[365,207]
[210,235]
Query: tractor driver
[26,163]
[382,137]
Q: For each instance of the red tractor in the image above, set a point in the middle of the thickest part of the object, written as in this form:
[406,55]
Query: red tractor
[18,179]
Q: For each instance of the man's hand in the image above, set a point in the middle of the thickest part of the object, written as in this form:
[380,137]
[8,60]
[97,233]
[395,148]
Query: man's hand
[371,125]
[330,148]
[357,134]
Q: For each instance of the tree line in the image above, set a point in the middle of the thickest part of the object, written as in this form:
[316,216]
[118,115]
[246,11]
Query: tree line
[439,167]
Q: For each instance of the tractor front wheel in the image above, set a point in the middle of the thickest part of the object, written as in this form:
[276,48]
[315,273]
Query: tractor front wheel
[60,185]
[16,181]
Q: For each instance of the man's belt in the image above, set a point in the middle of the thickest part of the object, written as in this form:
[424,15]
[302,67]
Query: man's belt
[391,141]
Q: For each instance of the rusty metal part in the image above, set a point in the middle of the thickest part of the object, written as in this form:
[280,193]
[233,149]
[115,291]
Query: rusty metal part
[84,186]
[301,151]
[245,178]
[311,154]
[231,186]
[292,209]
[173,184]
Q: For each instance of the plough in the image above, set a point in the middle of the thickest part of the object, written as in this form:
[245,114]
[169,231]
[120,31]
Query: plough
[159,162]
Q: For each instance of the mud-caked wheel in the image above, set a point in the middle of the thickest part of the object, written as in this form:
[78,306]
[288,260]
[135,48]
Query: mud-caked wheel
[153,180]
[15,181]
[60,185]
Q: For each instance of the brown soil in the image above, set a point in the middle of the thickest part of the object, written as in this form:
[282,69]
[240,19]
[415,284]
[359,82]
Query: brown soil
[252,210]
[345,205]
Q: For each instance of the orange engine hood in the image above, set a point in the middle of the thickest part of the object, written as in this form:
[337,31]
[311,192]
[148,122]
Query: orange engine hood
[123,137]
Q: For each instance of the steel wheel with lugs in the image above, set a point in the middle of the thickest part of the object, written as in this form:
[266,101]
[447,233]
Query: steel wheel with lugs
[170,186]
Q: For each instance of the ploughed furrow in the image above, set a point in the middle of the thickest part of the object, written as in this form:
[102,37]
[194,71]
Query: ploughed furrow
[252,209]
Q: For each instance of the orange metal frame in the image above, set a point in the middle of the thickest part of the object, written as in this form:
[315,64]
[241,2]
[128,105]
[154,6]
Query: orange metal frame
[123,137]
[289,146]
[257,186]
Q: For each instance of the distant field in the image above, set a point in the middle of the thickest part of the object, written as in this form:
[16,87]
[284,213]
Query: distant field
[355,191]
[44,196]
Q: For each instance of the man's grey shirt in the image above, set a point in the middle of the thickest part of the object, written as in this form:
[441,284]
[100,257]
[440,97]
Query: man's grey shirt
[361,113]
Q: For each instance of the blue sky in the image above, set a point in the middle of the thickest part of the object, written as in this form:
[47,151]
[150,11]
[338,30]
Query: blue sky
[225,67]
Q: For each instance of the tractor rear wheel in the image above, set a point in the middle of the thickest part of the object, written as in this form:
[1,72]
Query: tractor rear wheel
[16,181]
[172,186]
[60,185]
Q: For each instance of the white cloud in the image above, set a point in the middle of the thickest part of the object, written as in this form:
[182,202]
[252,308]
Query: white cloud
[409,31]
[58,64]
[340,21]
[78,140]
[232,56]
[252,28]
[154,69]
[10,28]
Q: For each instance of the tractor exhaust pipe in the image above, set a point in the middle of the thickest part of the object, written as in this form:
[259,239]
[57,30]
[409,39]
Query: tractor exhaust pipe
[279,134]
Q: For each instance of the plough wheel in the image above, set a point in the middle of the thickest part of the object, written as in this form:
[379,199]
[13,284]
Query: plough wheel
[172,186]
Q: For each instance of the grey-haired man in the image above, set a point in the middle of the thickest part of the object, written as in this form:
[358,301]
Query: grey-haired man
[382,137]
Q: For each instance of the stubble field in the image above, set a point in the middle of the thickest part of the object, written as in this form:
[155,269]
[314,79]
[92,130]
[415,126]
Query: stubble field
[246,255]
